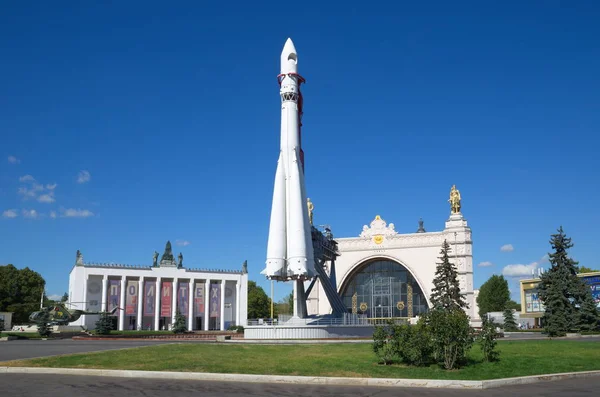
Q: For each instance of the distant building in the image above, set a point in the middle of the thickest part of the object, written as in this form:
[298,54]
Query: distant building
[148,297]
[532,307]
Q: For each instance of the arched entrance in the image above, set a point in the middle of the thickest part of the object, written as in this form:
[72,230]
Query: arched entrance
[383,289]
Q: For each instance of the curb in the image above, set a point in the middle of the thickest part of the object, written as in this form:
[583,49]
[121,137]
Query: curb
[307,380]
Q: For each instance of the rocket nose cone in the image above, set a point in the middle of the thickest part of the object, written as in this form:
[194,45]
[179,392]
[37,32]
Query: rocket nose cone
[289,58]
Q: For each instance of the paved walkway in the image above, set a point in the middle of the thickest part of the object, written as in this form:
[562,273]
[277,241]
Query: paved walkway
[75,386]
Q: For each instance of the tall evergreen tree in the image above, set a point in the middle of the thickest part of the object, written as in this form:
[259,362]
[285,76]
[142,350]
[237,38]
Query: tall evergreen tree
[560,289]
[446,290]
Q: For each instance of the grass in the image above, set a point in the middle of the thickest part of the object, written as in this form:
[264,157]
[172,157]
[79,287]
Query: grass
[518,358]
[21,335]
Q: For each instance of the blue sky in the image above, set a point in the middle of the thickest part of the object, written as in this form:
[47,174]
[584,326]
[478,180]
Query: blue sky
[124,125]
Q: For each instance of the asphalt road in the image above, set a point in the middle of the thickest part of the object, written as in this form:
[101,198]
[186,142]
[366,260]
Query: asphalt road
[23,385]
[20,349]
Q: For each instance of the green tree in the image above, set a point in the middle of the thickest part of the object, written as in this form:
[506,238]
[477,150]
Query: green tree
[588,311]
[42,324]
[20,292]
[290,301]
[493,295]
[584,269]
[65,297]
[446,291]
[259,304]
[560,289]
[451,335]
[104,324]
[179,327]
[487,340]
[511,304]
[510,323]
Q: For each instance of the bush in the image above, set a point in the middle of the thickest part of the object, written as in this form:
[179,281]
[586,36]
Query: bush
[414,344]
[487,340]
[179,327]
[451,335]
[104,324]
[384,343]
[236,328]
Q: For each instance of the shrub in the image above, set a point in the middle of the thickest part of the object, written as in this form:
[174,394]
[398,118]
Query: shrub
[384,344]
[414,344]
[487,340]
[236,328]
[451,336]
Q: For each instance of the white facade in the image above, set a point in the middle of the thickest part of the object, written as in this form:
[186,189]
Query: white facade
[148,297]
[416,252]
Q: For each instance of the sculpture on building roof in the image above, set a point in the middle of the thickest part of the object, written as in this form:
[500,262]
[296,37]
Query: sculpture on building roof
[155,259]
[311,208]
[180,257]
[168,254]
[79,258]
[454,200]
[421,227]
[245,267]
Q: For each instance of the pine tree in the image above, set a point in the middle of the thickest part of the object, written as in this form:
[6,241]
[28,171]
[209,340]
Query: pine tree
[104,324]
[179,327]
[589,319]
[446,291]
[42,324]
[560,288]
[509,320]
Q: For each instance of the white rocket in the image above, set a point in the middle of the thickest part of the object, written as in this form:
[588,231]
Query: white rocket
[289,249]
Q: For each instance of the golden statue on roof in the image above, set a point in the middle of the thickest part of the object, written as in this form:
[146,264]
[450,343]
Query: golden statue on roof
[454,200]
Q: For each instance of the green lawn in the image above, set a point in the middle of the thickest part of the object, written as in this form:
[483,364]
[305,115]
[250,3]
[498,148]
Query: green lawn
[518,358]
[21,335]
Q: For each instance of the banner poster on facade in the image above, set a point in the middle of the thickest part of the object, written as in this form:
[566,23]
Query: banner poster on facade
[149,298]
[215,300]
[199,299]
[131,298]
[166,299]
[94,294]
[183,299]
[114,291]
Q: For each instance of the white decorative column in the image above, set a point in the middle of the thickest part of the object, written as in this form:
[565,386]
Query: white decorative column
[84,304]
[174,292]
[157,305]
[206,301]
[104,292]
[222,309]
[238,319]
[191,305]
[121,309]
[140,303]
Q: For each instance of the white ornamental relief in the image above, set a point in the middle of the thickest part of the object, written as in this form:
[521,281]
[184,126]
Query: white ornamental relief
[378,227]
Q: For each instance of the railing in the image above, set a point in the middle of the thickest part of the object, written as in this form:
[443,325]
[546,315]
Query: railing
[286,320]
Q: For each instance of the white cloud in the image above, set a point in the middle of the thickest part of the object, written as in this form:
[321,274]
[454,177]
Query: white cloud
[54,297]
[51,186]
[10,214]
[53,214]
[182,243]
[507,248]
[485,264]
[47,198]
[31,214]
[83,177]
[520,270]
[27,178]
[13,160]
[76,213]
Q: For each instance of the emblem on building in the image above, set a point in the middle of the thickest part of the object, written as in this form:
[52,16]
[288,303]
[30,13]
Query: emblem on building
[363,307]
[400,305]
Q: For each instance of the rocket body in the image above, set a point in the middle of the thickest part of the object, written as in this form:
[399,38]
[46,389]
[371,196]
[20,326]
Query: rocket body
[289,247]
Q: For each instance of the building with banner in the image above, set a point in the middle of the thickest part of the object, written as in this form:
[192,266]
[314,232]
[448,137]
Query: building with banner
[532,306]
[148,297]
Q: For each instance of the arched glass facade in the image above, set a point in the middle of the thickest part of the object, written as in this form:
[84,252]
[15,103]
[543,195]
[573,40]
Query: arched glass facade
[383,289]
